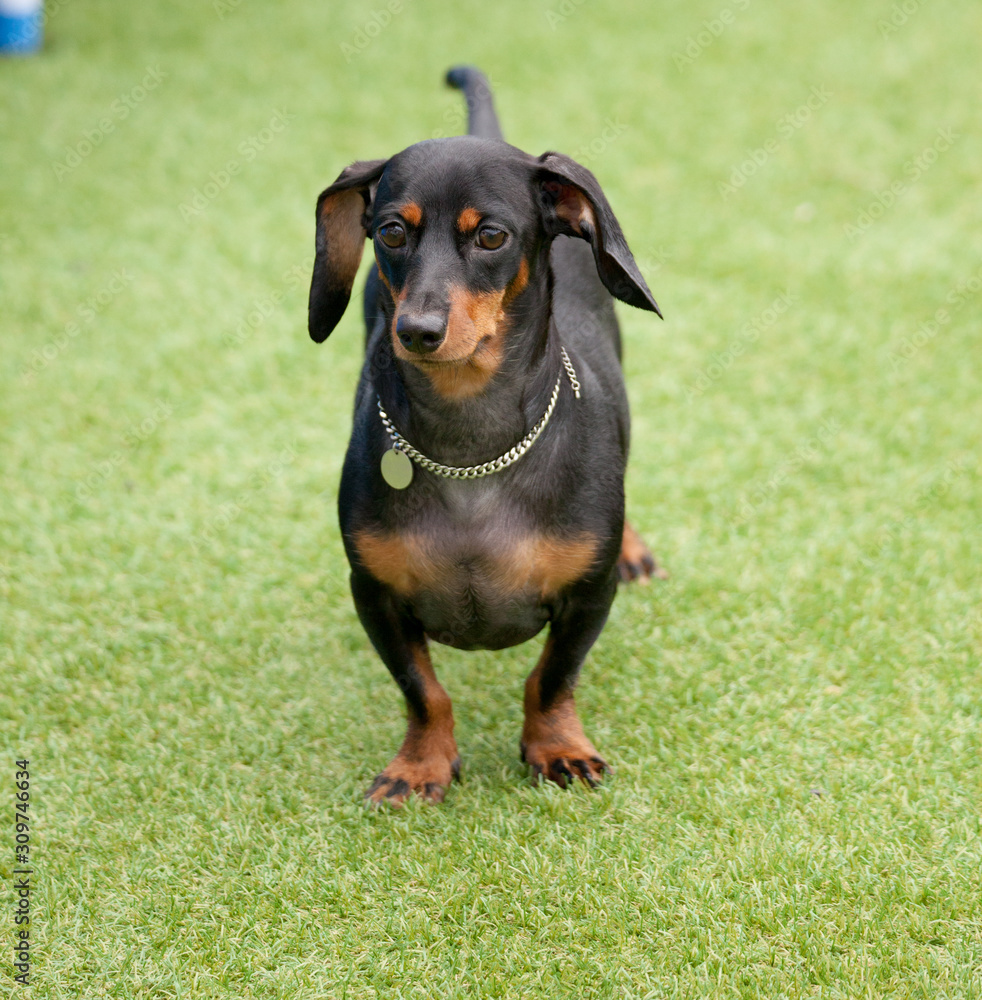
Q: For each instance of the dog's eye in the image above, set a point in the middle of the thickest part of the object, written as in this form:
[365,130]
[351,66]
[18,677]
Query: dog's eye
[490,238]
[392,235]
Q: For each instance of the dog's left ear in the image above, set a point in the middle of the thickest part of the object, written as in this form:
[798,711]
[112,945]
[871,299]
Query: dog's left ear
[343,212]
[572,204]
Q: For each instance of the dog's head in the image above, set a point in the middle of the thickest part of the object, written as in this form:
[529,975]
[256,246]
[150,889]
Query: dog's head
[459,226]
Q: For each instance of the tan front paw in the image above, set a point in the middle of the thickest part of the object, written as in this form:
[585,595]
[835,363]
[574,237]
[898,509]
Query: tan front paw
[562,761]
[429,778]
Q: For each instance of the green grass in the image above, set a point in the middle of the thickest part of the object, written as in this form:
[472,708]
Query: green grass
[794,717]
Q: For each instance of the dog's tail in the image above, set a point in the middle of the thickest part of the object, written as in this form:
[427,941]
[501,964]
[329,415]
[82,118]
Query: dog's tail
[481,117]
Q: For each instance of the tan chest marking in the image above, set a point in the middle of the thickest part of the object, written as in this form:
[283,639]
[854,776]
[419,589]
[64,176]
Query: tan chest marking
[537,563]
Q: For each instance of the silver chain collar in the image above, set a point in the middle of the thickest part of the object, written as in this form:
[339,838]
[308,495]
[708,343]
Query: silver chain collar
[495,465]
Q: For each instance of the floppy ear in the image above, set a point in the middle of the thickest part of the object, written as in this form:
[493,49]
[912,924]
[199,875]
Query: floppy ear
[342,220]
[572,204]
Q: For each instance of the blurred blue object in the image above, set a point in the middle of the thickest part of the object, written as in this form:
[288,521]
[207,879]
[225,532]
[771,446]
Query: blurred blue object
[21,23]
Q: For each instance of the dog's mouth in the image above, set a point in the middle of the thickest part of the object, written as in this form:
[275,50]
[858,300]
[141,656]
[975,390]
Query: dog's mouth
[474,357]
[461,368]
[441,362]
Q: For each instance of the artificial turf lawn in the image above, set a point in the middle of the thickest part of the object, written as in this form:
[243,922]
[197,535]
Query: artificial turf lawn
[794,717]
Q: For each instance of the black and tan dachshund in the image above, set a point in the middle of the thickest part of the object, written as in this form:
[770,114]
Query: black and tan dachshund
[482,495]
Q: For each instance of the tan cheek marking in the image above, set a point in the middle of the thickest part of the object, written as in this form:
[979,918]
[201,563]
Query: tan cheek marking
[476,328]
[468,220]
[412,213]
[518,284]
[474,316]
[475,339]
[400,351]
[384,280]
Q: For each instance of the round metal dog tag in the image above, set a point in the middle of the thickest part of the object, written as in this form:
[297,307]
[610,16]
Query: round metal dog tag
[397,469]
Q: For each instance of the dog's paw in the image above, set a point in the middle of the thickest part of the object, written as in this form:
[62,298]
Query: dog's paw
[564,762]
[636,561]
[429,779]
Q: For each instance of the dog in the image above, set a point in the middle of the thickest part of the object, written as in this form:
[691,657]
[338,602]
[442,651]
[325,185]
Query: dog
[482,495]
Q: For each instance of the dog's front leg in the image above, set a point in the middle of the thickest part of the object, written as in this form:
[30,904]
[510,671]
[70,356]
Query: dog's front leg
[553,741]
[428,760]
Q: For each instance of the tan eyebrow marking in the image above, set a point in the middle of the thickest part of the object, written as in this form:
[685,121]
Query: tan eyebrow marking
[468,220]
[412,213]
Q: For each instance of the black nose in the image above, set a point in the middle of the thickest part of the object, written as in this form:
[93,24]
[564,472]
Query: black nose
[420,333]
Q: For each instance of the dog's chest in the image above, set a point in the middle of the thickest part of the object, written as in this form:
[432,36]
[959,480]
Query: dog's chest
[495,564]
[485,586]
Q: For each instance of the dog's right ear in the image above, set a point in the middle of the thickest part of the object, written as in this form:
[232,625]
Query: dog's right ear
[343,217]
[572,204]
